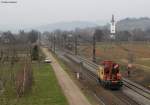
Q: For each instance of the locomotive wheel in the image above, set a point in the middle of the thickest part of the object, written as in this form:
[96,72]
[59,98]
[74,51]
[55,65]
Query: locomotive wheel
[99,80]
[103,84]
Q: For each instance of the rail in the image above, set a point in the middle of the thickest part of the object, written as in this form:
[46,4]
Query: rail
[129,84]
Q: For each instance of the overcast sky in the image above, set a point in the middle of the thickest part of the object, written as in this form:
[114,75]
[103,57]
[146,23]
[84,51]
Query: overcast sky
[38,12]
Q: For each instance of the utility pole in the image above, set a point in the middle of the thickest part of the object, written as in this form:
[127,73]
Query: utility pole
[63,41]
[76,44]
[54,43]
[94,48]
[51,41]
[38,38]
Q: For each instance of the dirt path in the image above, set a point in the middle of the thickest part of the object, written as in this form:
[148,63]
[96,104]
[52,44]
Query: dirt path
[70,89]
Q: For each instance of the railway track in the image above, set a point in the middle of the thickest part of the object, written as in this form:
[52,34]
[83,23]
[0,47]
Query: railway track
[127,83]
[137,88]
[123,99]
[89,80]
[92,67]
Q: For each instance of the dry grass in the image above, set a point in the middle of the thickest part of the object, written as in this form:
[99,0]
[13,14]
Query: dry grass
[116,51]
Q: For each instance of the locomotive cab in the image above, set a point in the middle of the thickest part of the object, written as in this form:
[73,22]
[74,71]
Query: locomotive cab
[109,75]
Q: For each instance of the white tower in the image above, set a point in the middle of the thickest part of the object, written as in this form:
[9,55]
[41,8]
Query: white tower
[112,27]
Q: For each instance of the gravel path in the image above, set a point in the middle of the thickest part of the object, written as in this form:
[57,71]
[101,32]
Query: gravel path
[70,89]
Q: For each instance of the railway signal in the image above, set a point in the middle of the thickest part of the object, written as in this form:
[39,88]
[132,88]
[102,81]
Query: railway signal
[113,28]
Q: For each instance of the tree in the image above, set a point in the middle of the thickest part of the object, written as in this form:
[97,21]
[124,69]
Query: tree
[139,35]
[99,35]
[35,53]
[123,35]
[33,36]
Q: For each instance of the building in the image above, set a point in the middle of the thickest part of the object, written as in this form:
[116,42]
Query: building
[7,38]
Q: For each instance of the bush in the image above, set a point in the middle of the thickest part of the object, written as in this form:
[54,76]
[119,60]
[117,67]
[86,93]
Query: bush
[35,53]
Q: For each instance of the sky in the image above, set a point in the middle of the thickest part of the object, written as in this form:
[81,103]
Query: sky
[39,12]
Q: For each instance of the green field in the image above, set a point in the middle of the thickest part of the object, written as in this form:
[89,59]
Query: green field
[45,91]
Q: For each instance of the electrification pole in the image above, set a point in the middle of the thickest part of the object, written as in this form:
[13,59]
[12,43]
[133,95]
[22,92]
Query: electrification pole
[76,44]
[54,43]
[94,48]
[51,40]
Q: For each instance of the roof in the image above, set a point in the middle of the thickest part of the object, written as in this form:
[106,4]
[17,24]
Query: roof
[7,38]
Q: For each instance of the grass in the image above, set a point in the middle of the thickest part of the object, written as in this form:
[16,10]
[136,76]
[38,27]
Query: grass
[116,51]
[45,90]
[143,62]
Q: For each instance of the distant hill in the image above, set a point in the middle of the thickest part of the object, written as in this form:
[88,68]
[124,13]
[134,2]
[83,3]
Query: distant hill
[125,24]
[66,26]
[134,23]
